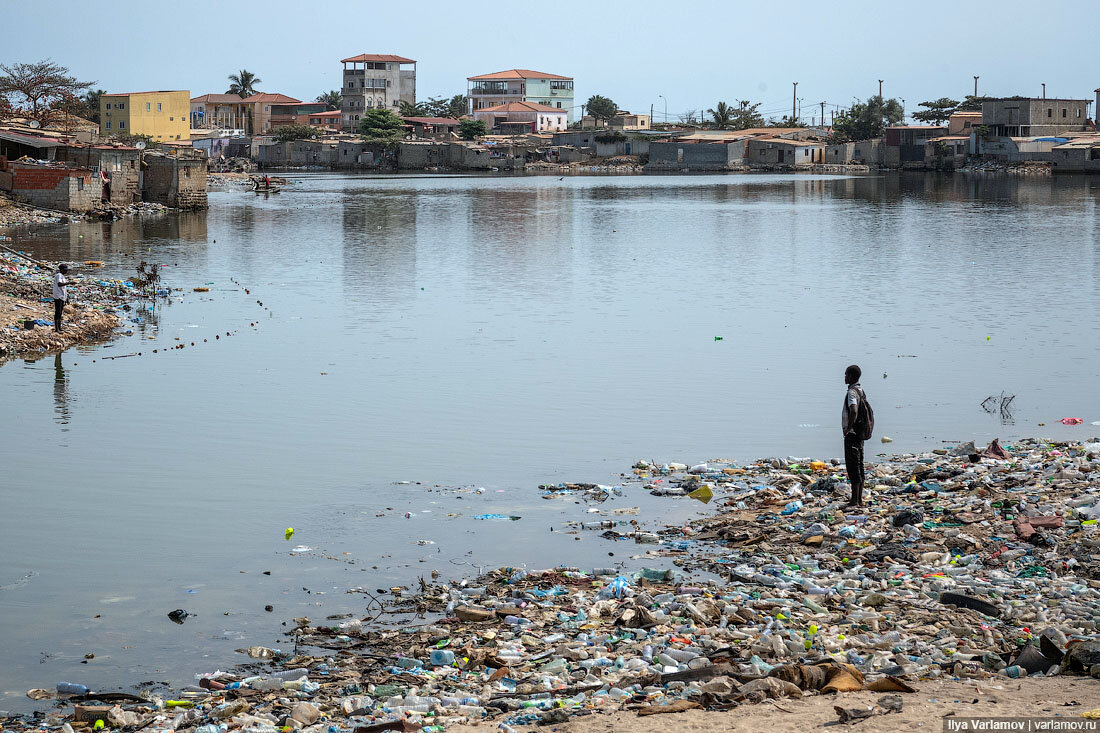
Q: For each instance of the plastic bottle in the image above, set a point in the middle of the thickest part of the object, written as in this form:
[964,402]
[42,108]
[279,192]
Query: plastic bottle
[290,674]
[71,688]
[442,657]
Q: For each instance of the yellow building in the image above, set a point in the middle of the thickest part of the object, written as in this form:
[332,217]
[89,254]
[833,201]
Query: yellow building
[163,116]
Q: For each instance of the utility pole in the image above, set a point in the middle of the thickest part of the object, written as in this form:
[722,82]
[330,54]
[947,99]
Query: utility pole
[794,102]
[823,114]
[880,88]
[975,86]
[1044,91]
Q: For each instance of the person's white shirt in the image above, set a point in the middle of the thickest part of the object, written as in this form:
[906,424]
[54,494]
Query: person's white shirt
[60,292]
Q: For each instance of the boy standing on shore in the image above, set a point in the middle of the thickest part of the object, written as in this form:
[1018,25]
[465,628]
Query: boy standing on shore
[60,294]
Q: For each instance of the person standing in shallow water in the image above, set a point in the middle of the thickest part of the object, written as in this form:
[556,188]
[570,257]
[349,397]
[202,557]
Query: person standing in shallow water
[853,442]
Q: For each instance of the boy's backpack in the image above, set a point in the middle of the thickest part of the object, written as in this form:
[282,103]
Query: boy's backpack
[865,418]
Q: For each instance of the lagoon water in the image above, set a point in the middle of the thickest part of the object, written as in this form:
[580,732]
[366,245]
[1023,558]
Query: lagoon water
[407,339]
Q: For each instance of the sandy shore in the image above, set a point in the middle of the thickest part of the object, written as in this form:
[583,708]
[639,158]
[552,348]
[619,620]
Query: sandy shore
[922,711]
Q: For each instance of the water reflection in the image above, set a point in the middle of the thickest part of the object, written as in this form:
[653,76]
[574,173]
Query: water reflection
[60,393]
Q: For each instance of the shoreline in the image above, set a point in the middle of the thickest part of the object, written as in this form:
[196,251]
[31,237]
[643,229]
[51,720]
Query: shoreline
[90,318]
[956,578]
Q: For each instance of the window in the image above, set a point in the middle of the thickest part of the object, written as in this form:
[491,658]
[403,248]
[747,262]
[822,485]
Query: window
[1078,113]
[108,124]
[122,105]
[559,105]
[147,105]
[267,108]
[171,119]
[131,165]
[1050,112]
[1063,113]
[158,106]
[122,124]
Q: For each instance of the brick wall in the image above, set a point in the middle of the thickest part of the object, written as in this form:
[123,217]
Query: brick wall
[60,189]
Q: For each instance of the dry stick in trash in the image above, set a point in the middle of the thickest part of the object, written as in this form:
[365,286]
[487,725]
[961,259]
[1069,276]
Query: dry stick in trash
[31,259]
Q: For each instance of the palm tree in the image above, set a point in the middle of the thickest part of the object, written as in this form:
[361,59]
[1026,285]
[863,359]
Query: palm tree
[331,100]
[243,83]
[722,115]
[406,109]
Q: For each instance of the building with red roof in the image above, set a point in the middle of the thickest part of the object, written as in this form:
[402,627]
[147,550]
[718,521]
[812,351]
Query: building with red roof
[521,85]
[515,116]
[373,80]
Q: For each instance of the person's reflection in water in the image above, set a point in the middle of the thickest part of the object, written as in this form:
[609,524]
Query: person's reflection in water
[60,391]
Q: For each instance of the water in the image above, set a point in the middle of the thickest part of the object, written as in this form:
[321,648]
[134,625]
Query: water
[495,332]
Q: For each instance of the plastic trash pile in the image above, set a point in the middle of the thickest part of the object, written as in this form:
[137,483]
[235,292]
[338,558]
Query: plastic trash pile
[967,563]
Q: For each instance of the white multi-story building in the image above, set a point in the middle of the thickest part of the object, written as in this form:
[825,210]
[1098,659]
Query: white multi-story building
[521,85]
[373,80]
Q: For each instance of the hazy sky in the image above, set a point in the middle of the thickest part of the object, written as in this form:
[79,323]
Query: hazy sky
[694,54]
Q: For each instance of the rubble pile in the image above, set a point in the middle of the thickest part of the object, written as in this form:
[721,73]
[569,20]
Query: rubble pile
[107,210]
[967,564]
[231,165]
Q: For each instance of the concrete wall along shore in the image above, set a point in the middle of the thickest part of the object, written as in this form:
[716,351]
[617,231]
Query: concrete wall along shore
[176,181]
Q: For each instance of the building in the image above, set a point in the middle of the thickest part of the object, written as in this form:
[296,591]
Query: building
[220,112]
[294,113]
[775,151]
[328,120]
[54,186]
[521,85]
[161,116]
[860,152]
[373,80]
[1077,156]
[521,117]
[947,151]
[621,121]
[121,162]
[269,111]
[906,143]
[432,127]
[960,123]
[177,179]
[1028,116]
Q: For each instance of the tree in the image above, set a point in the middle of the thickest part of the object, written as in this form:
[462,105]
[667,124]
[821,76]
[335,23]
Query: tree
[470,129]
[784,121]
[747,116]
[381,125]
[38,90]
[722,115]
[453,107]
[243,83]
[407,109]
[689,117]
[601,108]
[864,121]
[972,103]
[937,112]
[289,133]
[331,100]
[457,106]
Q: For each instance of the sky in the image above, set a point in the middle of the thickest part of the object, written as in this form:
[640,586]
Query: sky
[642,53]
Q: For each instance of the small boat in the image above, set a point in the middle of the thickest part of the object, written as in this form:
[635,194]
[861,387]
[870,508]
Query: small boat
[259,187]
